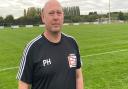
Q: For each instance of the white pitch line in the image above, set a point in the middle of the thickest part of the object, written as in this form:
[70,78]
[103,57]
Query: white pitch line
[110,52]
[10,68]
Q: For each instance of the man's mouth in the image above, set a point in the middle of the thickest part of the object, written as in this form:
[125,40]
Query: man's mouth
[56,24]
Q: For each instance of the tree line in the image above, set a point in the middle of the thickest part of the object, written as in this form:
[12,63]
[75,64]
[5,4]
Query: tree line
[32,16]
[71,15]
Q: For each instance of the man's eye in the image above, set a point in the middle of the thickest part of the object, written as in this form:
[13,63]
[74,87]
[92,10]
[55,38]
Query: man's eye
[59,12]
[51,13]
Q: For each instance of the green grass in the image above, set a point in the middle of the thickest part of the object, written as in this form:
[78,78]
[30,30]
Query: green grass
[103,71]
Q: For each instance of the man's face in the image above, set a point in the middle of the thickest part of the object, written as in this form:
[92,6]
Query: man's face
[53,17]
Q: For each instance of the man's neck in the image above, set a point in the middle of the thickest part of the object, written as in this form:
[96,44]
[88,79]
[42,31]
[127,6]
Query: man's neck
[53,37]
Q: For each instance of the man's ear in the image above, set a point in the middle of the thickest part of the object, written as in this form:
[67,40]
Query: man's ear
[42,17]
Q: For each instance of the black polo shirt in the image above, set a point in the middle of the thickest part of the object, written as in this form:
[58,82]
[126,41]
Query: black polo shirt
[47,65]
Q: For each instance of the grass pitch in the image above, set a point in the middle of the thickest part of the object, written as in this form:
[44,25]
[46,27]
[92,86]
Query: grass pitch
[103,48]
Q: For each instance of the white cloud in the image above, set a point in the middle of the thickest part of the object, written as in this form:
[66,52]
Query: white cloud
[16,7]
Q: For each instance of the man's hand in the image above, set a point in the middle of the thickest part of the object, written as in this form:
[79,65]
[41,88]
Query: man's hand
[23,85]
[79,79]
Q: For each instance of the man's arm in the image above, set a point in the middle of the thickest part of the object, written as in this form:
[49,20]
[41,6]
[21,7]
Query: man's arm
[23,85]
[79,79]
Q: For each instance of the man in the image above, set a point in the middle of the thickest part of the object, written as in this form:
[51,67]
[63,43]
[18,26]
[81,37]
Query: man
[51,60]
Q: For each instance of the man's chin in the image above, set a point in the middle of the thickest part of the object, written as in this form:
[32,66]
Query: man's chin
[55,30]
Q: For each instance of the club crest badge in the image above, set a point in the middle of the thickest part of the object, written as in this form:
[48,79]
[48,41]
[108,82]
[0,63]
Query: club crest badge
[72,59]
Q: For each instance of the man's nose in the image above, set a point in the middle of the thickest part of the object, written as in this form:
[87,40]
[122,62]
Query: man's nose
[56,16]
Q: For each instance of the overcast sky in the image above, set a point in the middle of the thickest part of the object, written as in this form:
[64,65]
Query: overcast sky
[16,7]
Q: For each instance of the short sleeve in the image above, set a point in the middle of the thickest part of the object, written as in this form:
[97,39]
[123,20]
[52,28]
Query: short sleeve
[77,54]
[78,58]
[26,66]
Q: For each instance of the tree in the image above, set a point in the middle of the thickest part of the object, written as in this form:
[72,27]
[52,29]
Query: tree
[75,18]
[121,16]
[71,14]
[32,11]
[90,13]
[9,20]
[126,16]
[95,13]
[78,11]
[92,16]
[25,13]
[1,21]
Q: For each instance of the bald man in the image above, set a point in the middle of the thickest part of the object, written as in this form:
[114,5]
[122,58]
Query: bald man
[51,60]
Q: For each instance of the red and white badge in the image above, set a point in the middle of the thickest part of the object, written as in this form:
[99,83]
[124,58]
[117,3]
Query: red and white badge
[72,59]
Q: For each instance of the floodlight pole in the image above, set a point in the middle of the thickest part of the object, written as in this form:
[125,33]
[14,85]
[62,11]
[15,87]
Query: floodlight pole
[109,12]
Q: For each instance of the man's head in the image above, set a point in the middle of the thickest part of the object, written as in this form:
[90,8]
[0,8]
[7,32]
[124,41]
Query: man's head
[52,15]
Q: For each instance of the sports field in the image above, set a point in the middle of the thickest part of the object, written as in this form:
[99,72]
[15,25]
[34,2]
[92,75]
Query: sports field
[103,48]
